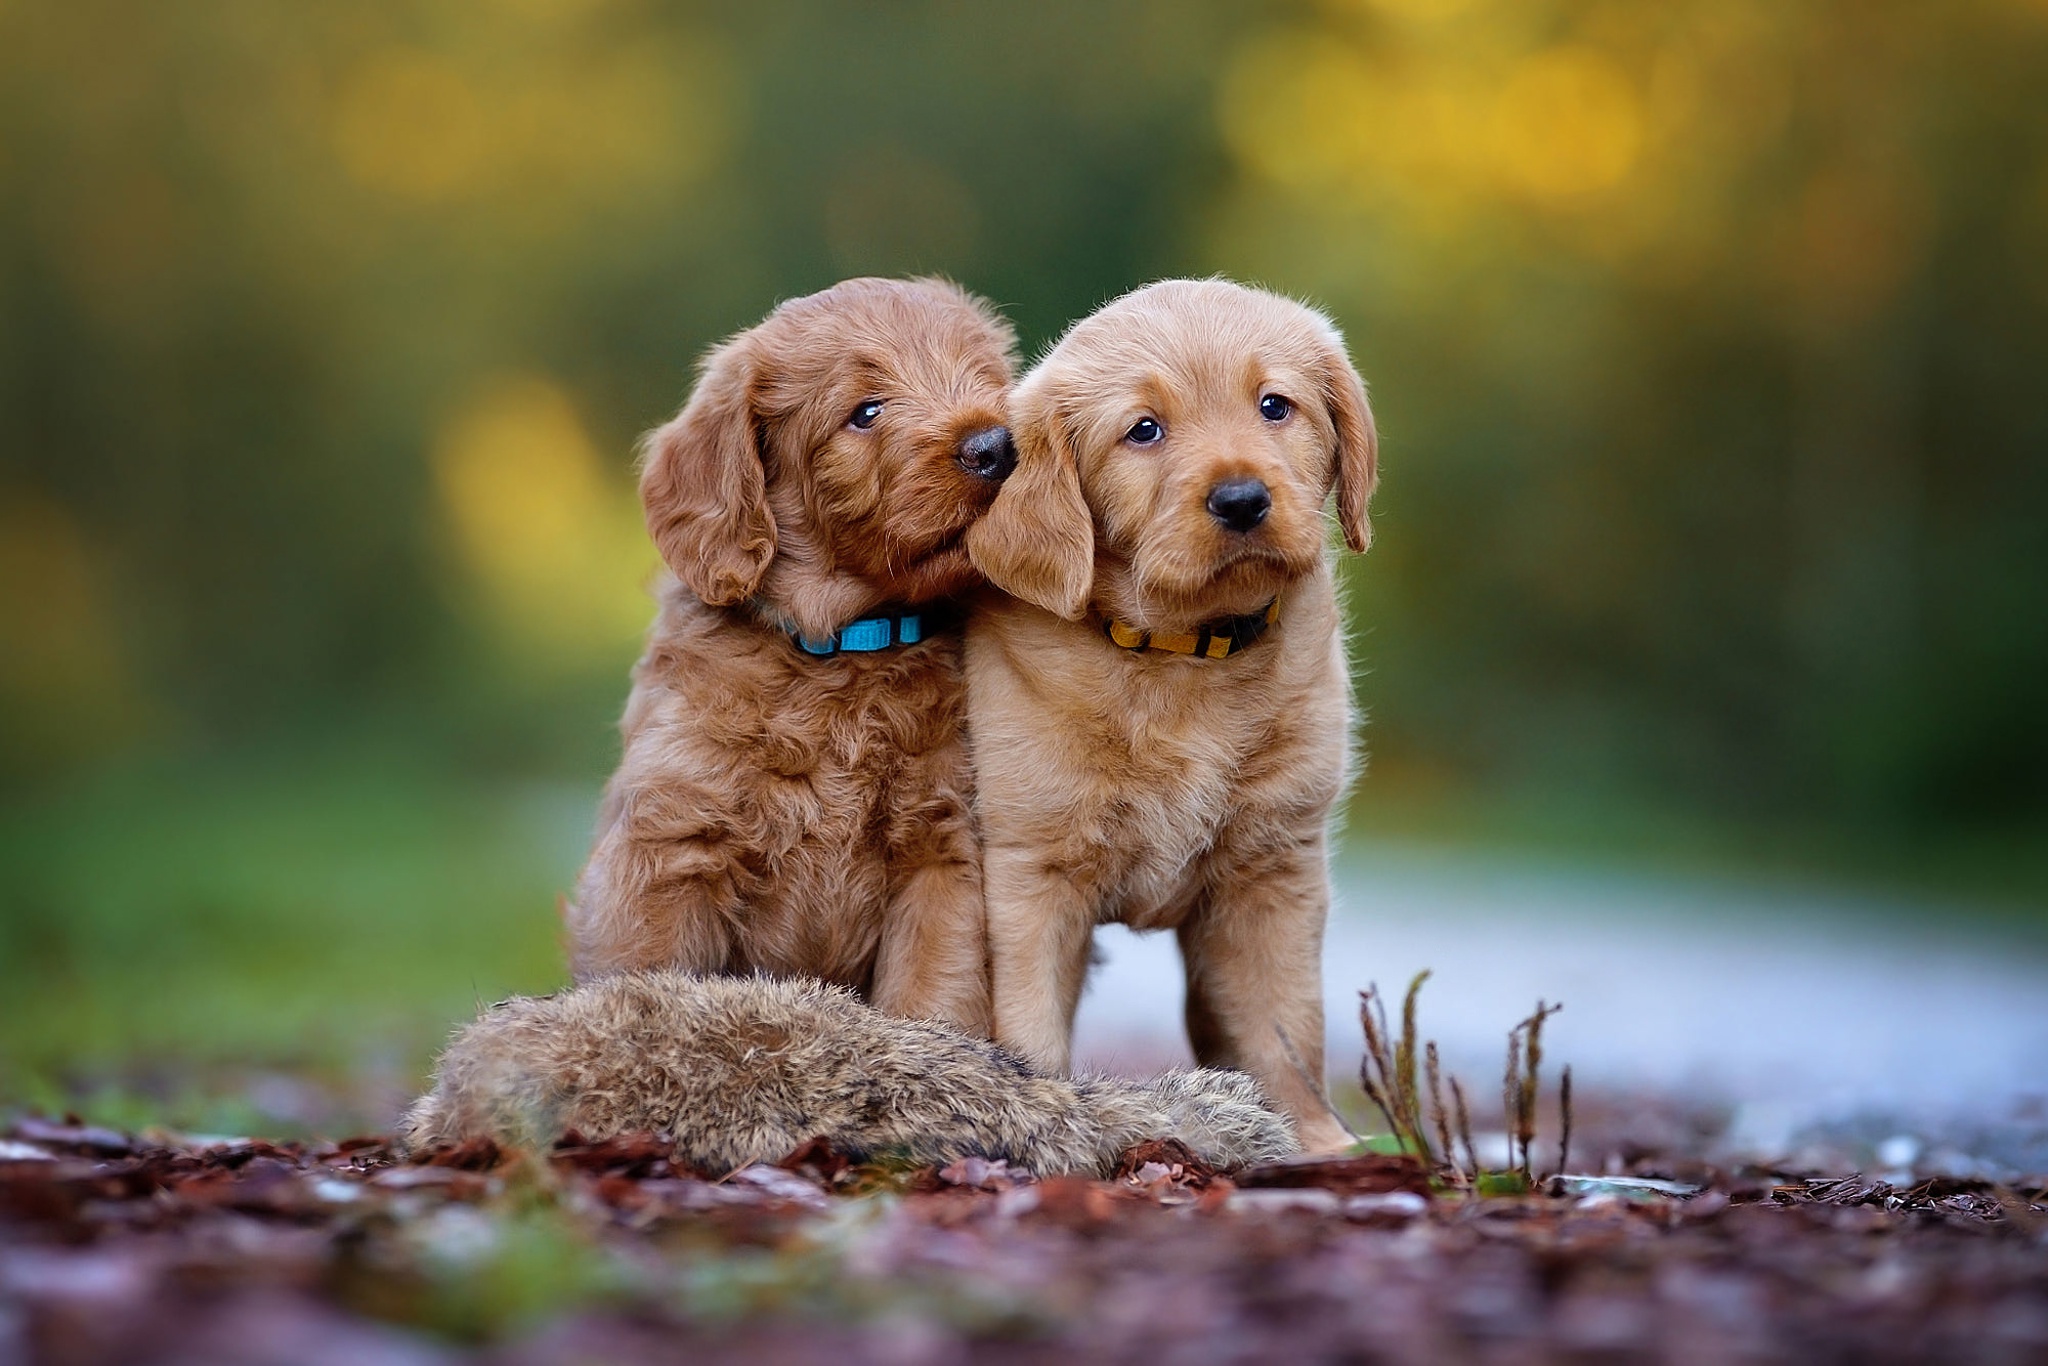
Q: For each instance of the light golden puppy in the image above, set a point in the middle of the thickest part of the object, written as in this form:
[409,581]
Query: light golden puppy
[794,796]
[1161,713]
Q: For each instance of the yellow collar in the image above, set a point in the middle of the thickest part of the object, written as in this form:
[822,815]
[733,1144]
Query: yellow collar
[1214,640]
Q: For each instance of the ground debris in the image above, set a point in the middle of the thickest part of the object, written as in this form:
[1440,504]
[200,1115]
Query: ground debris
[979,1173]
[478,1154]
[822,1163]
[639,1156]
[1167,1169]
[70,1135]
[1371,1174]
[117,1248]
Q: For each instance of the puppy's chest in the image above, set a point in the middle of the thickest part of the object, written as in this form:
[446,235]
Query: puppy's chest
[1164,790]
[860,721]
[1152,867]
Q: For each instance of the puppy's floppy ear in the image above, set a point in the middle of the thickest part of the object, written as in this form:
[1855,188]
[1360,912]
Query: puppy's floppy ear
[1037,541]
[703,487]
[1358,443]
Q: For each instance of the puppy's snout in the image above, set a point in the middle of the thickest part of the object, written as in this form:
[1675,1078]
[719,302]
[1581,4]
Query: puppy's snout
[1240,504]
[988,454]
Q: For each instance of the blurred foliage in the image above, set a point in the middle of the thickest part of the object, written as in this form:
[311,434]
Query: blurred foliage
[1708,337]
[325,333]
[1707,340]
[328,907]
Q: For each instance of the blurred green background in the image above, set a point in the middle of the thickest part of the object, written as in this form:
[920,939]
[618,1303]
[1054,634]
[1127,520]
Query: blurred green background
[1708,341]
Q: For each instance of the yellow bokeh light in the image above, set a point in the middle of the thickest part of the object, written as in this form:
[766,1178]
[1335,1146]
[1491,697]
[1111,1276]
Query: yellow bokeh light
[409,123]
[62,668]
[550,11]
[553,541]
[559,132]
[1432,138]
[1298,108]
[629,117]
[1566,123]
[1422,11]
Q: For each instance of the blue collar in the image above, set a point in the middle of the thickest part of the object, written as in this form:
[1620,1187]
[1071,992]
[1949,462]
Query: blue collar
[864,636]
[885,629]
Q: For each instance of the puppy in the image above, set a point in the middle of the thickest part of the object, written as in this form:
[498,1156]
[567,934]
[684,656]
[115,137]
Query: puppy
[1161,711]
[739,1070]
[794,792]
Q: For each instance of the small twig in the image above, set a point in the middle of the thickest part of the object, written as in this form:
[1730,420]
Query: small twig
[1374,1019]
[1372,1092]
[1524,1103]
[1373,1058]
[1511,1091]
[1525,1115]
[1423,1124]
[1564,1105]
[1380,1058]
[1436,1101]
[1375,1049]
[1465,1132]
[1410,1097]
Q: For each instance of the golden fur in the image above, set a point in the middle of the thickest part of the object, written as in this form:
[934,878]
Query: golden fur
[775,811]
[740,1070]
[1162,790]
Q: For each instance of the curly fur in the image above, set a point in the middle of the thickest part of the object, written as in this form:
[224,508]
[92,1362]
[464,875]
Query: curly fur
[774,811]
[746,1069]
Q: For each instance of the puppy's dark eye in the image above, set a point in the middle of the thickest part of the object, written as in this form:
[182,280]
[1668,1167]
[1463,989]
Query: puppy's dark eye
[1274,408]
[1144,432]
[865,415]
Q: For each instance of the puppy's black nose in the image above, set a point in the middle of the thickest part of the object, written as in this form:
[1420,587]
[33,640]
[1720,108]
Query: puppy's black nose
[1240,504]
[988,454]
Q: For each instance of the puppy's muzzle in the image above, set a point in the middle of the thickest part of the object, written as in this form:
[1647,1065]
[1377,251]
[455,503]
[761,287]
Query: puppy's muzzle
[988,454]
[1240,504]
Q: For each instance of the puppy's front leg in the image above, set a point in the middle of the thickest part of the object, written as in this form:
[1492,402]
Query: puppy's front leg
[1253,955]
[645,901]
[1040,925]
[933,963]
[658,889]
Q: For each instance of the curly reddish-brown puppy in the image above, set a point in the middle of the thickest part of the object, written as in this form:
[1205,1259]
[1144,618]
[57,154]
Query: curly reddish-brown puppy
[1161,724]
[794,796]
